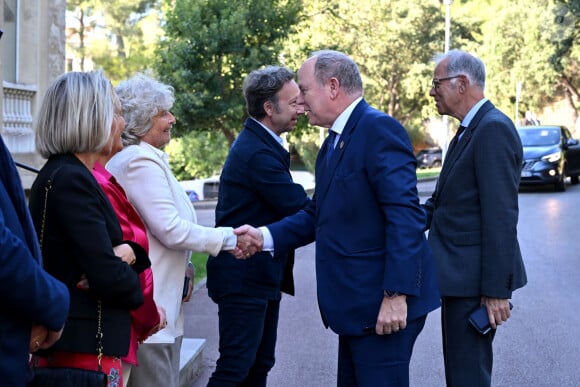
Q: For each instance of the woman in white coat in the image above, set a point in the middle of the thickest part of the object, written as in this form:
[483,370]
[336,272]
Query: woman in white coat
[142,169]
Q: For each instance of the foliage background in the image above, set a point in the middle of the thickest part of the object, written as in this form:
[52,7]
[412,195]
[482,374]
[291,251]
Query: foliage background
[205,48]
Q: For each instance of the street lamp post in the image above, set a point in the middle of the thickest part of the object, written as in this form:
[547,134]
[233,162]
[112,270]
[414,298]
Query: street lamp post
[447,23]
[518,94]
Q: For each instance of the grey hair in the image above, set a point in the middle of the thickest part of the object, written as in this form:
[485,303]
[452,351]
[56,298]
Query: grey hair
[263,85]
[76,114]
[336,64]
[142,98]
[461,62]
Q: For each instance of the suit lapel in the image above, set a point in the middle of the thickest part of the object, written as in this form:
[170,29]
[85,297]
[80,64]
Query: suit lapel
[324,172]
[461,145]
[254,127]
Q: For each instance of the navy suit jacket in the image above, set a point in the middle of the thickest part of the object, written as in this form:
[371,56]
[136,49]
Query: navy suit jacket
[474,211]
[256,188]
[368,225]
[28,294]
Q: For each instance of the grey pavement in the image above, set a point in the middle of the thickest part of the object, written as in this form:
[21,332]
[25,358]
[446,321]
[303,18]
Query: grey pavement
[538,346]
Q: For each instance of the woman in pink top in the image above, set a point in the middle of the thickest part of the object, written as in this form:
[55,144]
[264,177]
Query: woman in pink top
[148,318]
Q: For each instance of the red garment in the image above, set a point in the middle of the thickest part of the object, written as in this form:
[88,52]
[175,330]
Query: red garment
[146,317]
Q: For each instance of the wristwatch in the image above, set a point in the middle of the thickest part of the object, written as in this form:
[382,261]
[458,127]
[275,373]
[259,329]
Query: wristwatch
[391,294]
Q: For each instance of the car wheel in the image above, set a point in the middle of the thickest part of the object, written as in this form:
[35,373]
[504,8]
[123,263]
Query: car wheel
[436,164]
[560,186]
[574,179]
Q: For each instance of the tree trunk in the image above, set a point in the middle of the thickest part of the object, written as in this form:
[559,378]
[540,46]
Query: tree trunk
[82,38]
[230,136]
[571,96]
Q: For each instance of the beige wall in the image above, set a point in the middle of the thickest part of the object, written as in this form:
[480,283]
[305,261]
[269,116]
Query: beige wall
[41,58]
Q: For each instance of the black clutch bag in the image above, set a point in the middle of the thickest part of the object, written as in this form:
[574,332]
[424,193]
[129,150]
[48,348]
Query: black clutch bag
[67,377]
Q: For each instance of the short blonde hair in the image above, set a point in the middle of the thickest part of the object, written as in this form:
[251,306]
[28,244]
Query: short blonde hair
[76,114]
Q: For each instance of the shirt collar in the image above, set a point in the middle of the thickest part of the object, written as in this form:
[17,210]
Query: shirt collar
[467,120]
[342,119]
[276,137]
[158,152]
[98,168]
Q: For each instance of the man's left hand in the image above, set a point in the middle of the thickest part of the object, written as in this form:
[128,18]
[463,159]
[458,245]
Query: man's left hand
[392,315]
[498,310]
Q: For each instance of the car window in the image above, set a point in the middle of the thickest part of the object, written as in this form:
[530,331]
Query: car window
[540,136]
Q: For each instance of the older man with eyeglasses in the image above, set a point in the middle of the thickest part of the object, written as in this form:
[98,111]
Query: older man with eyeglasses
[473,216]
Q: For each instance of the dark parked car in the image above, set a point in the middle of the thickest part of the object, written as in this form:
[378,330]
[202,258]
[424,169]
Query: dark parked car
[550,155]
[429,157]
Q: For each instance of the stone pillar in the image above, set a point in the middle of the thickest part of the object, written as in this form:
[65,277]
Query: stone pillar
[41,58]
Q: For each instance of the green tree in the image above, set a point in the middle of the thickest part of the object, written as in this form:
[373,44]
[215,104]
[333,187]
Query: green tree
[197,154]
[133,33]
[392,41]
[565,59]
[518,44]
[210,46]
[119,36]
[512,51]
[82,11]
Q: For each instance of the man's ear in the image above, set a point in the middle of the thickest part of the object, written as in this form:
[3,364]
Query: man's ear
[334,85]
[463,84]
[269,108]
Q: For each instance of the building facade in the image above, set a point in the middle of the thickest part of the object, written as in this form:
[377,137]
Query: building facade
[32,55]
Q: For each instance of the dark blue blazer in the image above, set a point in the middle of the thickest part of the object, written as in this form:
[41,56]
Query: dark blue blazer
[256,188]
[368,225]
[28,294]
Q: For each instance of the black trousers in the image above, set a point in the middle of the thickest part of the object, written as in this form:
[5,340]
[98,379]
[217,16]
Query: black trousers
[248,330]
[468,355]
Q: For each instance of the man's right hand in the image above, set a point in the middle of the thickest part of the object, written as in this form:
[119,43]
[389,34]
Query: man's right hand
[250,241]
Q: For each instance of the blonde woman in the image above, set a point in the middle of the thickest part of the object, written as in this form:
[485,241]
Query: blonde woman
[78,229]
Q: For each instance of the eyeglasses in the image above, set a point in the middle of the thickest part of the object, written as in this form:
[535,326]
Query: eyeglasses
[436,82]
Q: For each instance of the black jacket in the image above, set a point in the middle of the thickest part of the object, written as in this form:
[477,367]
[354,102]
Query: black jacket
[80,231]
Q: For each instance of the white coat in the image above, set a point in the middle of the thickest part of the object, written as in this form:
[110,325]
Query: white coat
[172,229]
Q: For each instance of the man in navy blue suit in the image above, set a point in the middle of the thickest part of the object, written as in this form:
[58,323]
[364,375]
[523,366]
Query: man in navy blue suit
[255,188]
[32,300]
[375,274]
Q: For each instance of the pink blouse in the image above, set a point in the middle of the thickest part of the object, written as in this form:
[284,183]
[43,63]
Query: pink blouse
[146,317]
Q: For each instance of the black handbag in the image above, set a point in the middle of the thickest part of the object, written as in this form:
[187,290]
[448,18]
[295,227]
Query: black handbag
[69,376]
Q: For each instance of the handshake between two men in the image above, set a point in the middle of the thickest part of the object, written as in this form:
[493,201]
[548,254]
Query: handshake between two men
[250,241]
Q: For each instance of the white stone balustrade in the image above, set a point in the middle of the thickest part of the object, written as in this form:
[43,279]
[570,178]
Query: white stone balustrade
[17,117]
